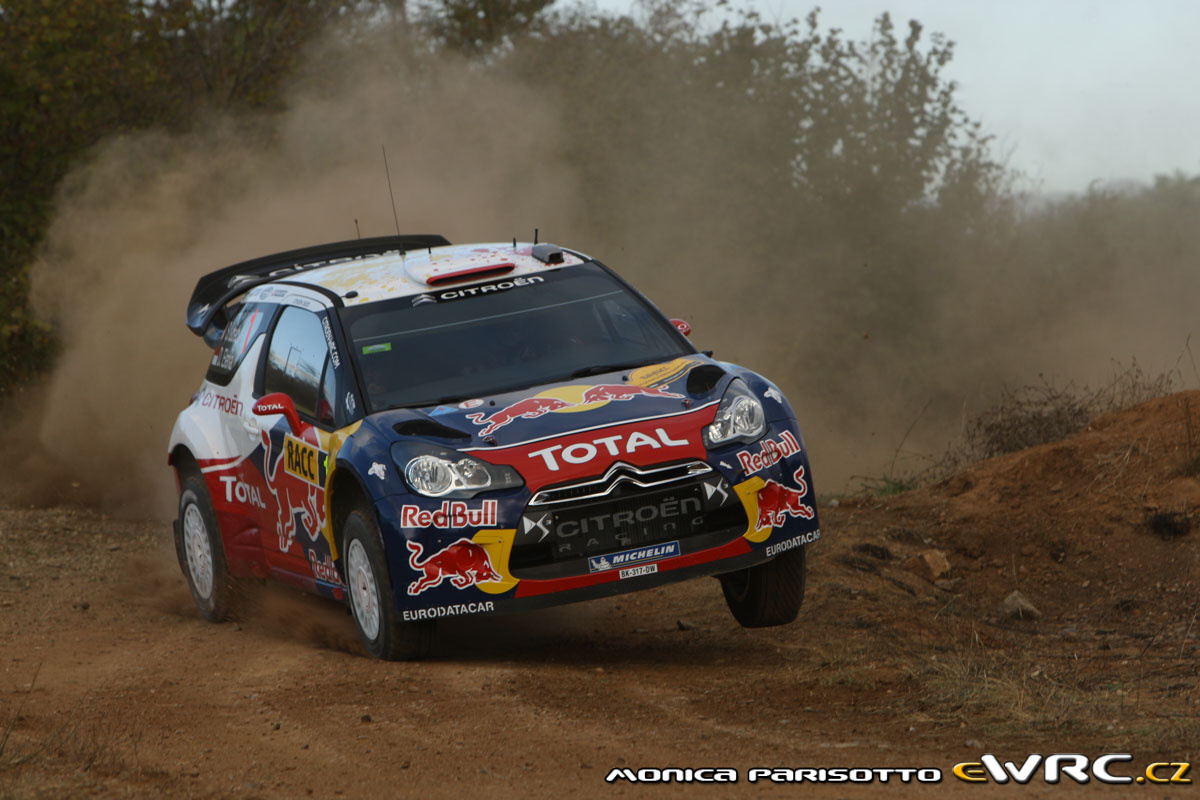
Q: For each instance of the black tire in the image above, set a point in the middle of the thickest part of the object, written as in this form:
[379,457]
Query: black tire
[768,594]
[369,587]
[201,553]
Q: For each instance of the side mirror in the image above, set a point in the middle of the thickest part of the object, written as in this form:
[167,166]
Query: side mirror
[682,326]
[278,403]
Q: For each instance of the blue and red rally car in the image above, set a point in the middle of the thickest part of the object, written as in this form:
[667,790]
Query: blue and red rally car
[424,430]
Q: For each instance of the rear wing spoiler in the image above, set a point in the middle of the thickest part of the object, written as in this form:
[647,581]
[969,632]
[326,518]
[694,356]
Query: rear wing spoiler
[216,289]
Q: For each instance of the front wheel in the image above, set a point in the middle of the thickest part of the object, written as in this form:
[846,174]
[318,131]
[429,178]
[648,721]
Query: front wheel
[201,554]
[768,594]
[383,634]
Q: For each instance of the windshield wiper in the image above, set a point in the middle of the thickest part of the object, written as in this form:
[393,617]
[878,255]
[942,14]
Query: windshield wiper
[453,398]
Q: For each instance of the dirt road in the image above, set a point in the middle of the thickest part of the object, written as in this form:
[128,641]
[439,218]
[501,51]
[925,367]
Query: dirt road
[114,686]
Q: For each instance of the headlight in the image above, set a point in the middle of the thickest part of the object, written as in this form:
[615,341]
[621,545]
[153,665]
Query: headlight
[438,472]
[739,418]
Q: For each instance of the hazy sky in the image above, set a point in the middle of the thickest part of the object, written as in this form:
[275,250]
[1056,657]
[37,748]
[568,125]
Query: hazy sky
[1074,90]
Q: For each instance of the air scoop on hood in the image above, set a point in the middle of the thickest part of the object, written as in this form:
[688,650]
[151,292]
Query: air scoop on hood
[429,428]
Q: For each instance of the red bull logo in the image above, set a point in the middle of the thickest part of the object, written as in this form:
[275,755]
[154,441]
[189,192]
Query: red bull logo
[534,407]
[323,568]
[777,502]
[770,452]
[463,563]
[452,514]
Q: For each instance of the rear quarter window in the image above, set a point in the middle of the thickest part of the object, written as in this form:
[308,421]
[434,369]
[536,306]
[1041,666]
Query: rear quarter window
[249,323]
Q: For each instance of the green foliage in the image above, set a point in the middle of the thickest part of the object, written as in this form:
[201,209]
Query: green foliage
[70,72]
[75,71]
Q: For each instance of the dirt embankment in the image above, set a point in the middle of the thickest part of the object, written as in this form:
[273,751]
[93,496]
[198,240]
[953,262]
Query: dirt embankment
[112,685]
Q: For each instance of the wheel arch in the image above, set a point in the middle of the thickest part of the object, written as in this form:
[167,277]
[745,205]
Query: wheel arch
[346,493]
[183,460]
[191,441]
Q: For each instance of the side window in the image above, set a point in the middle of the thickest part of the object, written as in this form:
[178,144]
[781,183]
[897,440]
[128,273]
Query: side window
[296,359]
[240,335]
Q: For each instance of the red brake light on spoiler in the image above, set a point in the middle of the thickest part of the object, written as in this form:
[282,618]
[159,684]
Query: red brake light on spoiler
[472,273]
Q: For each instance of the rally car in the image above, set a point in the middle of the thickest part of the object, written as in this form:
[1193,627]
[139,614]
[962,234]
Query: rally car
[422,430]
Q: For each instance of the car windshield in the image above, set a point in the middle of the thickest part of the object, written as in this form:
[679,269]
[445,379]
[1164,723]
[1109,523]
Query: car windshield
[474,341]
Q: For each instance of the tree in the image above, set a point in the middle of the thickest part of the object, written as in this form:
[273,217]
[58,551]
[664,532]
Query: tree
[476,26]
[73,72]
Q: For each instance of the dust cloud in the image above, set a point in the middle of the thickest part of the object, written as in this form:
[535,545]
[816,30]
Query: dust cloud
[660,185]
[150,214]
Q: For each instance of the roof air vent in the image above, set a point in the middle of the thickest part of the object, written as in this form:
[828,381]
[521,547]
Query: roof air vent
[548,253]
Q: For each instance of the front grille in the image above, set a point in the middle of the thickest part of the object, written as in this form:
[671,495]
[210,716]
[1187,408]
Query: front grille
[566,535]
[620,473]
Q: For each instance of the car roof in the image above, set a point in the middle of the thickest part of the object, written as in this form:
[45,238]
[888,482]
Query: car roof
[366,270]
[396,274]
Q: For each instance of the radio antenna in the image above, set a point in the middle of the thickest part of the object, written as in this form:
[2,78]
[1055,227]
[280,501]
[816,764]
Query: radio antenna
[388,173]
[357,232]
[535,235]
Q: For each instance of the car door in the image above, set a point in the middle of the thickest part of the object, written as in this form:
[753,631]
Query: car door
[225,404]
[295,464]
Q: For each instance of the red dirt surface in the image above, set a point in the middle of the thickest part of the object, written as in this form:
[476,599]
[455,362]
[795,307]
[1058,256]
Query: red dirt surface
[114,686]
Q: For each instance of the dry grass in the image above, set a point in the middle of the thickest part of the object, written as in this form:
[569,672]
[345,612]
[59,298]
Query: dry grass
[995,691]
[75,743]
[1042,413]
[997,688]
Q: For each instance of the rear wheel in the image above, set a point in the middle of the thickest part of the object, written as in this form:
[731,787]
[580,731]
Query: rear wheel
[371,603]
[201,554]
[767,594]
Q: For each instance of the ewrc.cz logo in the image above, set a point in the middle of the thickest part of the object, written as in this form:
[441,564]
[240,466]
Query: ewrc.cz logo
[1074,765]
[448,611]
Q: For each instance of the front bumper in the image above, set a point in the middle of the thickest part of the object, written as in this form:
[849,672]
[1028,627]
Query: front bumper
[506,553]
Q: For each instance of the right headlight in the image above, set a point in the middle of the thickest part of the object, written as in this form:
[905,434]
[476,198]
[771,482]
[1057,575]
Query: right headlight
[739,418]
[439,472]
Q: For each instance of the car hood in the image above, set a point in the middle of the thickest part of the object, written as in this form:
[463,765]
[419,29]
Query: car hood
[558,409]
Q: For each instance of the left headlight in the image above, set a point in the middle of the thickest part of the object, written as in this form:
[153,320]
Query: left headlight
[438,472]
[739,418]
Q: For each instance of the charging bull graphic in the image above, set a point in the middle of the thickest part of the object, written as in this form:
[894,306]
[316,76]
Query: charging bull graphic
[777,502]
[624,391]
[464,563]
[534,407]
[295,478]
[529,408]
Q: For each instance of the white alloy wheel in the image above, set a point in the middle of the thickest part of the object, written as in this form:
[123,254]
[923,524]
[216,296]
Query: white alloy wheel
[198,549]
[364,593]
